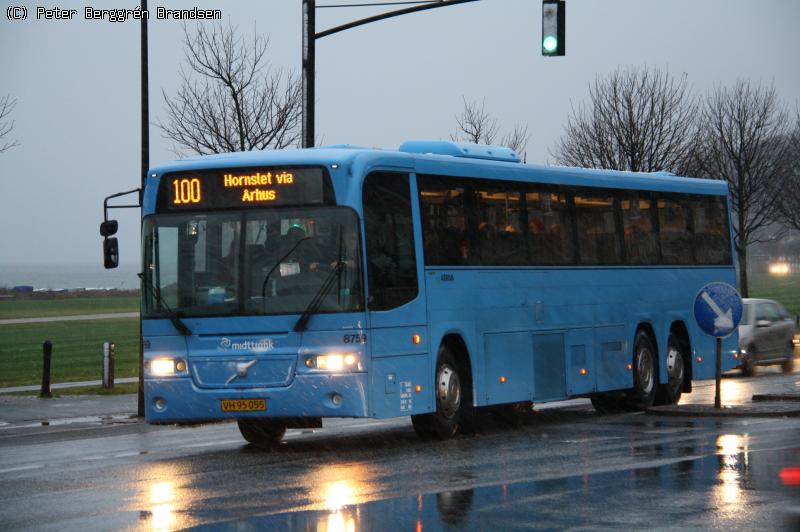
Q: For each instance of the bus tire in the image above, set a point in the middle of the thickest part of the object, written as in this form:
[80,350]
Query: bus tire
[444,422]
[645,374]
[264,433]
[670,393]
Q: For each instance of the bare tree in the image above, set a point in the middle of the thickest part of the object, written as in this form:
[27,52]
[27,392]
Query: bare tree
[637,119]
[744,138]
[516,139]
[239,103]
[476,125]
[789,199]
[7,105]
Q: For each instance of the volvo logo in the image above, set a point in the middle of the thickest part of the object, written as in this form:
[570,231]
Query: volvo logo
[241,370]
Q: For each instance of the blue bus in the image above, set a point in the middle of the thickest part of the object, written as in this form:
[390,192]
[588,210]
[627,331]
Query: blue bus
[283,287]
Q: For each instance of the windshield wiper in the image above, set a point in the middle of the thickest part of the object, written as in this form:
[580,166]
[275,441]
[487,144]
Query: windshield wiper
[316,301]
[173,316]
[274,266]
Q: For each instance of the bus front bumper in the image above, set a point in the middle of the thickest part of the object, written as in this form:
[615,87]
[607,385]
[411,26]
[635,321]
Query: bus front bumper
[178,400]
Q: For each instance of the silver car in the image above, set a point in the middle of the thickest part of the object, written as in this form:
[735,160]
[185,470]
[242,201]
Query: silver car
[766,335]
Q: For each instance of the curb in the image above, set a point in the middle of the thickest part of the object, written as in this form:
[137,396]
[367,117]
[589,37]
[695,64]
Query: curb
[776,397]
[764,409]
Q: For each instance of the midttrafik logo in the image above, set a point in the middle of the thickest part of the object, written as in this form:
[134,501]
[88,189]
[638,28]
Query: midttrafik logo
[256,346]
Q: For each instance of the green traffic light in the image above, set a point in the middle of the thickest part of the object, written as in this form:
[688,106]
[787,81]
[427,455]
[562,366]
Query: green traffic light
[549,44]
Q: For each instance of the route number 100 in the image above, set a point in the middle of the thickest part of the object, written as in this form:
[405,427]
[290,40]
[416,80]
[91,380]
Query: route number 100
[186,191]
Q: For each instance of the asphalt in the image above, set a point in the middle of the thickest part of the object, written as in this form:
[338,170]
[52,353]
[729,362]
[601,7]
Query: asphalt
[114,408]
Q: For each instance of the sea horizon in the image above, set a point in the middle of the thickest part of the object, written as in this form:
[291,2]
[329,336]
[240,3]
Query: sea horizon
[69,276]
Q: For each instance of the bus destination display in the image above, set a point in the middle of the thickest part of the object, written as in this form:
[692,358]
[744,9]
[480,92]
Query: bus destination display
[235,188]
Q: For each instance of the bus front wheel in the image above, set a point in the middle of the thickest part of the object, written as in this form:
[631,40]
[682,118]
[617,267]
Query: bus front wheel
[450,407]
[264,433]
[645,376]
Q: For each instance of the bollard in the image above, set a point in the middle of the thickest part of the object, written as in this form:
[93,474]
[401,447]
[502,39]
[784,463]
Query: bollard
[47,351]
[109,353]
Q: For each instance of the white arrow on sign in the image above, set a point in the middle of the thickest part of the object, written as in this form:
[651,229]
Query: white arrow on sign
[724,320]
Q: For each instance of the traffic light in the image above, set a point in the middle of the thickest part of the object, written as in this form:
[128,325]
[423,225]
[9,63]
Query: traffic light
[553,14]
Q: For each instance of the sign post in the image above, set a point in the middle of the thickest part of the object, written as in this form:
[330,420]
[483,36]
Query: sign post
[718,310]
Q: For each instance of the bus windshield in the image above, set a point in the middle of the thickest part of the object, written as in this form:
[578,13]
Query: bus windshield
[256,262]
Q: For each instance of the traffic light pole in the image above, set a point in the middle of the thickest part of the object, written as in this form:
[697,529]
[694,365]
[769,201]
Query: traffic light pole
[309,71]
[145,161]
[309,67]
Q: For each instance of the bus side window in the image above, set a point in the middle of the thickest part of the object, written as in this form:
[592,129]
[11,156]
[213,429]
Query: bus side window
[597,235]
[389,233]
[711,238]
[640,238]
[675,231]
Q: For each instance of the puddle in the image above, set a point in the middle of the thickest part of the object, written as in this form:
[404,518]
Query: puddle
[718,481]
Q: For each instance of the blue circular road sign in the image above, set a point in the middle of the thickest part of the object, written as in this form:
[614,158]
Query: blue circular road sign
[718,309]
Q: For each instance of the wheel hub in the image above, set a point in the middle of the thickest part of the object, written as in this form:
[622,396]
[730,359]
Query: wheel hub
[674,366]
[448,390]
[644,369]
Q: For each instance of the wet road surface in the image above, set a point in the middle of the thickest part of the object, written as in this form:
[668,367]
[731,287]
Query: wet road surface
[569,468]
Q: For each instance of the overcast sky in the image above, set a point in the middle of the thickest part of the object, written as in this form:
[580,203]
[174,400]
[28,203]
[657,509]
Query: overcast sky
[77,86]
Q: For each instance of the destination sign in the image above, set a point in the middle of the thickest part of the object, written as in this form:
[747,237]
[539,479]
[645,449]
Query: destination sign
[242,188]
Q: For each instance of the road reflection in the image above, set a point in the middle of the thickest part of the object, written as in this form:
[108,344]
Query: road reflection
[162,506]
[164,503]
[339,488]
[729,495]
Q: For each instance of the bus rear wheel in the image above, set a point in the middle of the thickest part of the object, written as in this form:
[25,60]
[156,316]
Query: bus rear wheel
[645,376]
[670,393]
[264,433]
[450,405]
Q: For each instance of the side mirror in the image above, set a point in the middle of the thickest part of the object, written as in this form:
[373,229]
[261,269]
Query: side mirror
[108,228]
[110,253]
[763,323]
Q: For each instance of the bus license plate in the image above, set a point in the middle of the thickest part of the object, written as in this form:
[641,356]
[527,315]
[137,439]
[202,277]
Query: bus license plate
[244,405]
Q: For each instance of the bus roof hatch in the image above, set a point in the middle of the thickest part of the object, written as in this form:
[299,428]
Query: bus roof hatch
[461,149]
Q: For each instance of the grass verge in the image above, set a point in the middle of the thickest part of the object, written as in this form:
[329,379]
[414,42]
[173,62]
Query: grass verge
[77,350]
[785,290]
[35,308]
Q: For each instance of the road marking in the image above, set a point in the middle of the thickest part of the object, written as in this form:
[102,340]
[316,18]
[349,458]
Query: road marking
[128,454]
[209,444]
[22,468]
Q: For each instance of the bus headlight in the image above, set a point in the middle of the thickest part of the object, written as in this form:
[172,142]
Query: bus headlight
[333,362]
[165,367]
